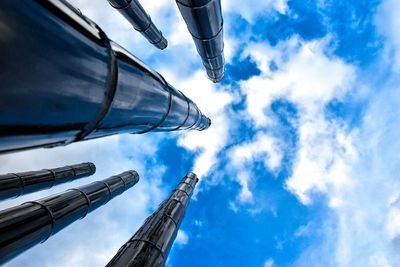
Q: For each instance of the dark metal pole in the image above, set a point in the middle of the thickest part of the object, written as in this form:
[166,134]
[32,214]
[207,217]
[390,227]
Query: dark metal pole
[17,184]
[26,225]
[205,23]
[133,11]
[150,245]
[63,80]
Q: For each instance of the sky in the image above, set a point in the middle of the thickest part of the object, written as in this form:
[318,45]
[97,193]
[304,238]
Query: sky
[300,166]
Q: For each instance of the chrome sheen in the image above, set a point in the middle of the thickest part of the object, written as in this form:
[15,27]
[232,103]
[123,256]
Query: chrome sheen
[63,80]
[133,11]
[205,23]
[17,184]
[33,222]
[150,245]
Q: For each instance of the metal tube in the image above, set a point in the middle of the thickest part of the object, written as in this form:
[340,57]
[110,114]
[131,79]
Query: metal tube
[31,223]
[205,23]
[63,80]
[17,184]
[151,243]
[133,11]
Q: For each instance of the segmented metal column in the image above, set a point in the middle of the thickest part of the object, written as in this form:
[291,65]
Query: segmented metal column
[205,23]
[133,11]
[101,89]
[17,184]
[33,222]
[150,246]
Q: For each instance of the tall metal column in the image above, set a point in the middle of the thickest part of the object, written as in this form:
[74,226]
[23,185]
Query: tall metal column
[133,11]
[17,184]
[205,23]
[150,246]
[63,80]
[33,222]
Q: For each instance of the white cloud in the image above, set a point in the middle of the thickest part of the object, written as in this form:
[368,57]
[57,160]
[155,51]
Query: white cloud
[355,170]
[309,79]
[306,76]
[214,102]
[304,230]
[263,148]
[388,24]
[250,12]
[181,238]
[368,219]
[269,263]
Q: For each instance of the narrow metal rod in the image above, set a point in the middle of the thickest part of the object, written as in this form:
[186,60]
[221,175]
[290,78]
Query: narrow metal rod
[133,11]
[33,222]
[21,183]
[205,23]
[150,245]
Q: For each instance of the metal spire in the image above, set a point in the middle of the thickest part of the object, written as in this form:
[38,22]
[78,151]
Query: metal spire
[33,222]
[133,11]
[17,184]
[150,246]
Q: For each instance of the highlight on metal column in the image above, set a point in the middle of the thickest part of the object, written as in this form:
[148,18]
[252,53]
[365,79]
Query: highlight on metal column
[205,23]
[18,184]
[68,82]
[150,245]
[33,222]
[133,11]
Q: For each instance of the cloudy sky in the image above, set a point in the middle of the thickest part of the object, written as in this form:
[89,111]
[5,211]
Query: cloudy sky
[301,164]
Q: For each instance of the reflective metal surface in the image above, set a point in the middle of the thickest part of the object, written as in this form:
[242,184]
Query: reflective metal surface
[133,11]
[150,245]
[63,80]
[26,225]
[17,184]
[205,23]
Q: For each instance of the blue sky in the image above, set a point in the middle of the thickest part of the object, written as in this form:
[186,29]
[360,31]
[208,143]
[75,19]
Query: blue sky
[300,166]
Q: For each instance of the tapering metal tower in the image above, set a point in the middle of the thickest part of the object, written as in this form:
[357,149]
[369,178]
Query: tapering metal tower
[150,246]
[17,184]
[205,23]
[33,222]
[133,11]
[63,80]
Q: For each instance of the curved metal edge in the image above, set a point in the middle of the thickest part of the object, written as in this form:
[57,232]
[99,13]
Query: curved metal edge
[54,176]
[108,188]
[148,242]
[22,182]
[108,95]
[89,203]
[50,213]
[163,118]
[188,112]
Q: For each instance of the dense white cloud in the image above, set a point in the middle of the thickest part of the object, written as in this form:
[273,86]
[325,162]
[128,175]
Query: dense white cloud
[251,12]
[308,78]
[357,170]
[214,103]
[350,168]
